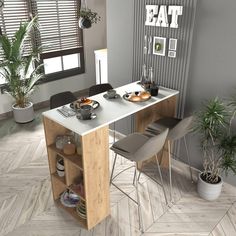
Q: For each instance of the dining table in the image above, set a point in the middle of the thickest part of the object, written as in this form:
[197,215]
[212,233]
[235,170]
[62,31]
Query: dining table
[92,136]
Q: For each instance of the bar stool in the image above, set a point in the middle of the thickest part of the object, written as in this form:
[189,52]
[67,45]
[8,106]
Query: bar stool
[137,147]
[99,88]
[61,99]
[178,128]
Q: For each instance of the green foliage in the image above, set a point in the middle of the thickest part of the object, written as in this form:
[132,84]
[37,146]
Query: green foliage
[214,123]
[86,13]
[20,72]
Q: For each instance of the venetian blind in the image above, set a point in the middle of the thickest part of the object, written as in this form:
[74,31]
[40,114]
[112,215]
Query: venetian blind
[13,13]
[58,21]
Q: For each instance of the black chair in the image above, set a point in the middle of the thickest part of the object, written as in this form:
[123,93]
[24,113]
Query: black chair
[99,88]
[61,99]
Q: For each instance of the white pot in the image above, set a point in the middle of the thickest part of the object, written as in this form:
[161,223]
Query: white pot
[208,191]
[23,115]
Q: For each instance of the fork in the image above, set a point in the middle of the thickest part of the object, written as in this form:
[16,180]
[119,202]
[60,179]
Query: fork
[149,44]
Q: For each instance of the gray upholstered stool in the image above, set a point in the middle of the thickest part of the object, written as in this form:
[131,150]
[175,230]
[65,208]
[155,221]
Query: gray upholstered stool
[177,129]
[138,147]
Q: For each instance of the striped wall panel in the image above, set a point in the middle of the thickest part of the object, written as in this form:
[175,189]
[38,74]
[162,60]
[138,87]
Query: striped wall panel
[169,72]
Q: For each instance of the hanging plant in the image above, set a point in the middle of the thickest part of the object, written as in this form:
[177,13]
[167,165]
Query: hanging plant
[87,17]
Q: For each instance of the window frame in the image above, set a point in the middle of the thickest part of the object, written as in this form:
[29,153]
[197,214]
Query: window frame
[64,73]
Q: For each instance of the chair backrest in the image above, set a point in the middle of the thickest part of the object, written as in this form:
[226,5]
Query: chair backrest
[181,129]
[152,147]
[99,88]
[61,99]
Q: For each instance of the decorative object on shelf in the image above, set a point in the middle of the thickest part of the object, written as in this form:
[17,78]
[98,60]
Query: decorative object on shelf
[218,142]
[137,96]
[69,146]
[60,167]
[159,46]
[81,209]
[69,198]
[21,72]
[78,186]
[87,17]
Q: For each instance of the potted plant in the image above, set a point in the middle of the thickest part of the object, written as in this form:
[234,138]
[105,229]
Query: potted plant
[218,142]
[87,18]
[20,70]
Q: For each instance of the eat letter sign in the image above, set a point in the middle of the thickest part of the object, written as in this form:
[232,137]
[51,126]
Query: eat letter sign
[158,16]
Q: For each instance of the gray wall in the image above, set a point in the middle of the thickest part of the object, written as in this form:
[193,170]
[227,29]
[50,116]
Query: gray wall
[120,20]
[168,72]
[213,64]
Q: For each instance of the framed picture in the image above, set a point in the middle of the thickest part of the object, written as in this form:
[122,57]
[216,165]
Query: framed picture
[173,44]
[172,54]
[159,46]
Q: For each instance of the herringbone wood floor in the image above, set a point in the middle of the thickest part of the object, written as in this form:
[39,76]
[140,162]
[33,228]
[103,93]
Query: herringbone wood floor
[27,208]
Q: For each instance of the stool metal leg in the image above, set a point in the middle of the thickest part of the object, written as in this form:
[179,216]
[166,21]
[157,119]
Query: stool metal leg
[170,174]
[159,170]
[138,201]
[134,176]
[189,164]
[138,174]
[114,132]
[113,166]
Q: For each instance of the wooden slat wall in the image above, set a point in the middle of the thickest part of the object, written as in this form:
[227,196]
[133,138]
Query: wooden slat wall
[170,72]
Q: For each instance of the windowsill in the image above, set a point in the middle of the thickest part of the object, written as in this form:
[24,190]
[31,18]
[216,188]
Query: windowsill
[52,77]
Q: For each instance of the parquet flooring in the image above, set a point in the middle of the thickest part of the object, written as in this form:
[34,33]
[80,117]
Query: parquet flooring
[27,208]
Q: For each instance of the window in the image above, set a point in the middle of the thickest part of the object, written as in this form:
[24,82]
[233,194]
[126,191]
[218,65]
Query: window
[59,34]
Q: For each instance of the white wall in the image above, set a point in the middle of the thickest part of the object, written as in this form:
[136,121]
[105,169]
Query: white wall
[120,48]
[94,38]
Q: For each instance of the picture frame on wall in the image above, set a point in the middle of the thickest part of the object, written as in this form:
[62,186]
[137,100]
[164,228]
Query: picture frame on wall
[159,46]
[172,54]
[173,44]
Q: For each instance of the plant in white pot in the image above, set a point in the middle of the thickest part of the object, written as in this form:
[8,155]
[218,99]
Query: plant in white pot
[218,142]
[21,70]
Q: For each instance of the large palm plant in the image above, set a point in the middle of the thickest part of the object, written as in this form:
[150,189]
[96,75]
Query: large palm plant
[218,140]
[21,70]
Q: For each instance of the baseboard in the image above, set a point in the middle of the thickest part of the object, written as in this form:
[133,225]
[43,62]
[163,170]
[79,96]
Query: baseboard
[44,104]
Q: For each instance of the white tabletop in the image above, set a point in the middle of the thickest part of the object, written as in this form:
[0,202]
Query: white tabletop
[110,110]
